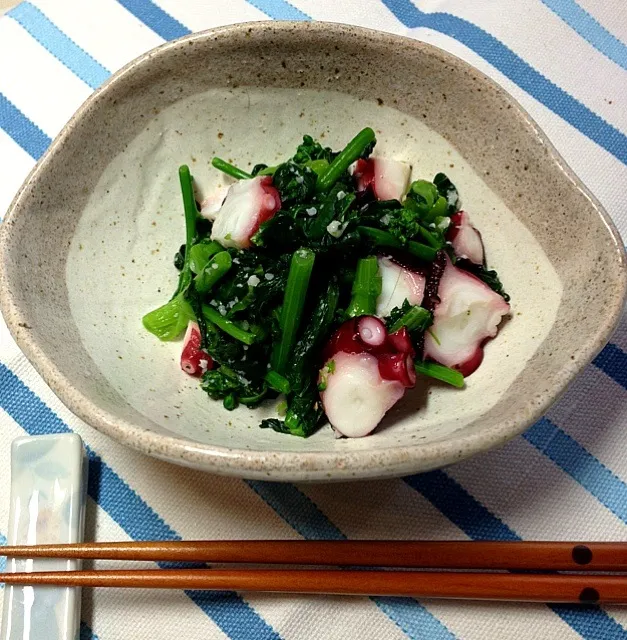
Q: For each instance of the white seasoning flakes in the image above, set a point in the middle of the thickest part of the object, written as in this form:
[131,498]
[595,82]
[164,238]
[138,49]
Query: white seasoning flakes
[235,260]
[432,225]
[451,197]
[311,211]
[204,365]
[245,347]
[269,276]
[253,281]
[222,310]
[300,179]
[443,224]
[385,219]
[214,266]
[340,195]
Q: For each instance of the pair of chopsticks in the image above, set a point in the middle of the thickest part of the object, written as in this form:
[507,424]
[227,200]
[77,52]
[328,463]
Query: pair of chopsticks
[488,581]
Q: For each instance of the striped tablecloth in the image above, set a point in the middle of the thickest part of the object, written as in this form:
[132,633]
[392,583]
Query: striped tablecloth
[565,478]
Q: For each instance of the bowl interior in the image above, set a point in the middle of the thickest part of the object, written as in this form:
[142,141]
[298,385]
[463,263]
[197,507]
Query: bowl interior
[94,232]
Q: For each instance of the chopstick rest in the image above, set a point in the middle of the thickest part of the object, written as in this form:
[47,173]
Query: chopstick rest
[48,491]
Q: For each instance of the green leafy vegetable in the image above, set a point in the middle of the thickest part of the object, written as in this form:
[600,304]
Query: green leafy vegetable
[440,372]
[448,191]
[366,288]
[170,320]
[191,213]
[230,170]
[277,382]
[228,326]
[384,239]
[415,318]
[311,151]
[214,269]
[201,253]
[267,310]
[302,418]
[293,303]
[303,369]
[294,183]
[360,146]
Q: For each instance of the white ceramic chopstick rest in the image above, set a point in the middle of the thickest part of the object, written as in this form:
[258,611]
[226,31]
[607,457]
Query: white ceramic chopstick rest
[48,487]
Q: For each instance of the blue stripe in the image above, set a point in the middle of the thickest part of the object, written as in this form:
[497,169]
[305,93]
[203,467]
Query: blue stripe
[3,559]
[27,134]
[229,612]
[300,512]
[460,507]
[478,523]
[580,21]
[59,45]
[517,70]
[613,362]
[580,464]
[156,18]
[86,633]
[279,9]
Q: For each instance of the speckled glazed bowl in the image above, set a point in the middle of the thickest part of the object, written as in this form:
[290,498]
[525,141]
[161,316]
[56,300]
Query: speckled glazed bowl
[86,248]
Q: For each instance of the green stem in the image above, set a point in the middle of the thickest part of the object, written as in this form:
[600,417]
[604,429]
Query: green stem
[385,239]
[253,399]
[191,213]
[421,251]
[440,372]
[380,238]
[215,269]
[301,267]
[353,150]
[230,170]
[439,209]
[319,167]
[366,288]
[417,318]
[228,326]
[429,238]
[277,382]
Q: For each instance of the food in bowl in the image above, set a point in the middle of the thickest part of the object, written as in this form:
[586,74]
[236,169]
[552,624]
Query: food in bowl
[332,280]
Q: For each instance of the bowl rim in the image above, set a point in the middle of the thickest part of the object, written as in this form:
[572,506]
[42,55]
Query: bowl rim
[389,461]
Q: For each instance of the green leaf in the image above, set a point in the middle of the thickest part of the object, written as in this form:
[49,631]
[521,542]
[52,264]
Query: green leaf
[170,320]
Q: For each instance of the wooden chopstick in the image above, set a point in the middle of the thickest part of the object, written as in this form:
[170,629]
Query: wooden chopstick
[547,556]
[583,589]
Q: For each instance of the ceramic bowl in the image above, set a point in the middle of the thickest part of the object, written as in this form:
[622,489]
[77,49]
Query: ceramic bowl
[87,246]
